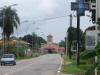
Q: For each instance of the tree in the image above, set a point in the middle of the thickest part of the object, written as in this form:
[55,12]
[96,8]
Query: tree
[34,40]
[73,37]
[62,43]
[92,54]
[8,21]
[73,30]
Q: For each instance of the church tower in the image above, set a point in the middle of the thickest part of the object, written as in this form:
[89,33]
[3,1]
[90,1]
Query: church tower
[49,39]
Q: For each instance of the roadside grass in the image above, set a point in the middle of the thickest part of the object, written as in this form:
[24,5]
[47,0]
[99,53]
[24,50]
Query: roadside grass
[73,68]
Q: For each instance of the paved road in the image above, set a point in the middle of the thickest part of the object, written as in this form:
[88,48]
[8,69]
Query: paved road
[43,65]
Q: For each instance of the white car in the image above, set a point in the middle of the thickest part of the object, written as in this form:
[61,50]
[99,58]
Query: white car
[8,59]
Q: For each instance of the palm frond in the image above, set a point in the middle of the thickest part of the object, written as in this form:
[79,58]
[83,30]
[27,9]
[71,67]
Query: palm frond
[89,55]
[92,68]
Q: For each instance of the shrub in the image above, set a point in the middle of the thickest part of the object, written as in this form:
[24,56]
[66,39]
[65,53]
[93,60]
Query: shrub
[21,53]
[88,54]
[36,55]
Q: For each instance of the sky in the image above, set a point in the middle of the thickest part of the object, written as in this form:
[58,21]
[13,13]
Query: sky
[45,17]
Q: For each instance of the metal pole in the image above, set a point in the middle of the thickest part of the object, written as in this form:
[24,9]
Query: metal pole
[32,41]
[70,53]
[37,43]
[66,44]
[96,27]
[17,44]
[78,39]
[3,32]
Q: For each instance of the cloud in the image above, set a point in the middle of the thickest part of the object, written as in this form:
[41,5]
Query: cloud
[47,6]
[35,10]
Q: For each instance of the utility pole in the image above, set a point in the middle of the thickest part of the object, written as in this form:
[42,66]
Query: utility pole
[80,6]
[3,32]
[78,39]
[66,41]
[96,29]
[70,35]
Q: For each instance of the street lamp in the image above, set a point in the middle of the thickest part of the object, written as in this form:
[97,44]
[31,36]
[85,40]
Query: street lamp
[25,21]
[42,34]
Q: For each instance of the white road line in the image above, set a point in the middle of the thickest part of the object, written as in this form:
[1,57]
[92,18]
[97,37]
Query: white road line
[59,69]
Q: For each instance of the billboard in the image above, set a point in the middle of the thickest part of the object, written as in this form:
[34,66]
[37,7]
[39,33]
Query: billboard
[90,40]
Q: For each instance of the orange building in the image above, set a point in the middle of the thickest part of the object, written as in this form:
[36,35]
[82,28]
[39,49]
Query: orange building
[50,46]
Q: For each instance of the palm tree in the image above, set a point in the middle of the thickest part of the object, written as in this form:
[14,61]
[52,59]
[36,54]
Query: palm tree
[8,21]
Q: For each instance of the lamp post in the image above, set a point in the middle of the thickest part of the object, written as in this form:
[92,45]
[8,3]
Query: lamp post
[32,34]
[17,37]
[42,33]
[37,40]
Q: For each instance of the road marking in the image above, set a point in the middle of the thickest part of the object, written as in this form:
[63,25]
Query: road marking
[59,69]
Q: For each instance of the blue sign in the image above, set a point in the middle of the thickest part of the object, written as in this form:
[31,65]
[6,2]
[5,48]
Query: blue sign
[80,6]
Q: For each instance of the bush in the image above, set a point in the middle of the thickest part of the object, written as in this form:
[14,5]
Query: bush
[88,54]
[21,53]
[36,55]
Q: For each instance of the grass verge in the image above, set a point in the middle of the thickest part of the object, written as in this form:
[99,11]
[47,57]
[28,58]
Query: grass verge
[72,68]
[28,57]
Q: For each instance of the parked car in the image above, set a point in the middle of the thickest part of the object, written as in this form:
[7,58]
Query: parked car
[8,59]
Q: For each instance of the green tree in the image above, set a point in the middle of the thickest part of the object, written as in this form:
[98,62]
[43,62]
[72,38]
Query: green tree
[73,30]
[73,37]
[62,43]
[92,54]
[34,40]
[8,21]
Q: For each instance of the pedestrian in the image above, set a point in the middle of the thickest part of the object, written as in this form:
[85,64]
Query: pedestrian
[61,54]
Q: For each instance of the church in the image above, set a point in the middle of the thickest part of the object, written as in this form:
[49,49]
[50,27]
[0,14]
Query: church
[50,46]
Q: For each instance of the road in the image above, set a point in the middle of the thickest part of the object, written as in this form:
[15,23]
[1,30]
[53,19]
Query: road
[43,65]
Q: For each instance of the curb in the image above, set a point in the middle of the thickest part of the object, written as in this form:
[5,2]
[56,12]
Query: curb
[59,69]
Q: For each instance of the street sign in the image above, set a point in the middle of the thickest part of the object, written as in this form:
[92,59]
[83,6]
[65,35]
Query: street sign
[80,6]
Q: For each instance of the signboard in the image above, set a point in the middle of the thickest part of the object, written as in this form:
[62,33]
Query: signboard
[80,6]
[21,48]
[90,40]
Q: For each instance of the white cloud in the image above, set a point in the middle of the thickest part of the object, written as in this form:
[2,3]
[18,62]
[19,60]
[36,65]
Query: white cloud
[47,6]
[41,9]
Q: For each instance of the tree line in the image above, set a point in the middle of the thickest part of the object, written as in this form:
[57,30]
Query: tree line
[34,40]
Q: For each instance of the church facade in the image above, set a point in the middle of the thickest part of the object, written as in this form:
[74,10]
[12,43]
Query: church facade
[50,46]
